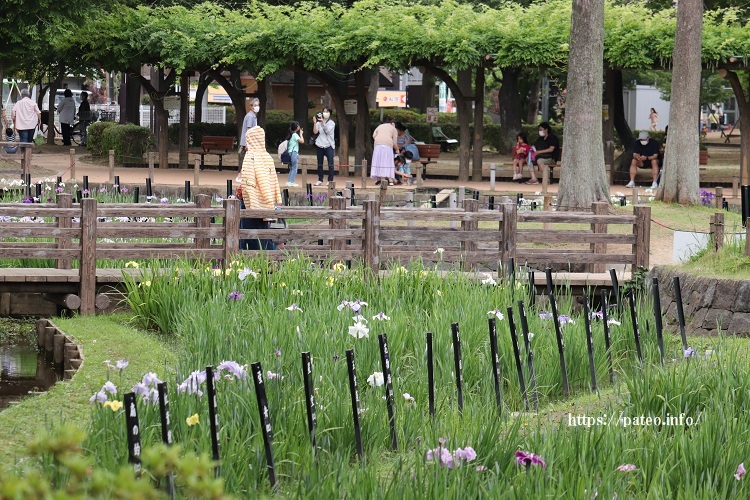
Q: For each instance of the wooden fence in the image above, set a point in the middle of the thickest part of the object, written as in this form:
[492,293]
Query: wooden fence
[469,237]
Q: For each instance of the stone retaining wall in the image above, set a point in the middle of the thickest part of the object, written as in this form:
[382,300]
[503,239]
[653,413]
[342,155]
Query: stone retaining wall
[708,303]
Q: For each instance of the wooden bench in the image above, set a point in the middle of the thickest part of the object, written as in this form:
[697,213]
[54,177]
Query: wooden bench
[428,153]
[218,145]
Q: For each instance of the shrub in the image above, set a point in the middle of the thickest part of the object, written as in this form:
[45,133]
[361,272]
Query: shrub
[96,131]
[129,142]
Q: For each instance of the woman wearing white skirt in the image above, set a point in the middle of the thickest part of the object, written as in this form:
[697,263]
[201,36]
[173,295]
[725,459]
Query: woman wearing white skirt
[386,146]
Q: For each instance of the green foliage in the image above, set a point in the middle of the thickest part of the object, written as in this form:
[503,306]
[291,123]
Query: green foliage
[130,142]
[66,472]
[96,136]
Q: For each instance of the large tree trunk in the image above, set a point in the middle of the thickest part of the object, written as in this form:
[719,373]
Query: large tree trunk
[236,92]
[204,80]
[372,89]
[476,171]
[263,98]
[608,129]
[270,104]
[510,109]
[428,91]
[158,89]
[301,99]
[363,142]
[744,108]
[184,118]
[132,97]
[680,176]
[583,179]
[463,105]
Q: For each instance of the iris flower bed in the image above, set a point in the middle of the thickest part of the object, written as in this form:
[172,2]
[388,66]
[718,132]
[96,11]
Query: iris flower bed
[256,311]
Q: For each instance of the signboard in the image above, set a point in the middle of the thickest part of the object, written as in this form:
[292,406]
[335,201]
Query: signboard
[432,115]
[391,99]
[172,102]
[443,96]
[350,106]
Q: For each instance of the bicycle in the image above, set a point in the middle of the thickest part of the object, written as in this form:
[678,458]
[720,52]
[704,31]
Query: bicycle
[77,129]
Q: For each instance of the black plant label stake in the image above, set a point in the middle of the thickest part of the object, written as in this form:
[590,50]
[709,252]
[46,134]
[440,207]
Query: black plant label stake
[560,344]
[517,356]
[680,311]
[133,431]
[385,361]
[430,376]
[532,289]
[265,420]
[166,430]
[657,317]
[213,419]
[615,287]
[495,364]
[550,285]
[458,365]
[312,418]
[351,365]
[607,341]
[529,353]
[589,342]
[636,331]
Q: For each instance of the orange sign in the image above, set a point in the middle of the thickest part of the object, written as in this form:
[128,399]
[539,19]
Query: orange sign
[391,99]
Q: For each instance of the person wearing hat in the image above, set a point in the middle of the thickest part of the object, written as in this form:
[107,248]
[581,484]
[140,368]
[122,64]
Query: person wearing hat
[645,155]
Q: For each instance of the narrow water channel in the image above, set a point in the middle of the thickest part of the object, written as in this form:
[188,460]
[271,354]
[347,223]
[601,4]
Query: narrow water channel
[24,370]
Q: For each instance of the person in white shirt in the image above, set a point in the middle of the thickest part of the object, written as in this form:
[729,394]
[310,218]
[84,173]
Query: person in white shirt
[26,117]
[66,110]
[250,121]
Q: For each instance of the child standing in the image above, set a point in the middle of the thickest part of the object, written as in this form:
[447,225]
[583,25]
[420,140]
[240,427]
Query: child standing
[520,155]
[10,136]
[293,141]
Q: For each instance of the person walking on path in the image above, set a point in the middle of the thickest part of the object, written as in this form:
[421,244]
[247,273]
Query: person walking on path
[259,187]
[654,117]
[385,138]
[325,144]
[66,110]
[250,121]
[26,117]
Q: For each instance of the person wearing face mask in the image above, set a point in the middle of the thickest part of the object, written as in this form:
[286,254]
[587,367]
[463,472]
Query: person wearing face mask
[645,155]
[250,121]
[547,148]
[325,143]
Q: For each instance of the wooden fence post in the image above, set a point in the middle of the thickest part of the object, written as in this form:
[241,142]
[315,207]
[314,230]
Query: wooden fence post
[231,229]
[364,174]
[337,203]
[371,241]
[642,232]
[509,229]
[111,166]
[717,230]
[383,192]
[196,174]
[719,197]
[468,245]
[331,190]
[203,201]
[599,208]
[453,203]
[72,163]
[87,267]
[64,242]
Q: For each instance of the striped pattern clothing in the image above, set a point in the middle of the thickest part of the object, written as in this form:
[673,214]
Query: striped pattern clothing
[260,185]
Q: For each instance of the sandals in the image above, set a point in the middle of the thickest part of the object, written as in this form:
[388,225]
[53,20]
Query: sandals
[532,181]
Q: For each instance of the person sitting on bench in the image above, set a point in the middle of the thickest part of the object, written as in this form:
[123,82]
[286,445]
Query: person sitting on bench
[547,147]
[645,155]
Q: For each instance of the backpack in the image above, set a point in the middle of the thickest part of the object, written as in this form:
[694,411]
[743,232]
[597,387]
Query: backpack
[284,155]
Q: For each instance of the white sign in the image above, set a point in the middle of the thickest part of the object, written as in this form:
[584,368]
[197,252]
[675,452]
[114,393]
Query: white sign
[350,106]
[432,115]
[686,244]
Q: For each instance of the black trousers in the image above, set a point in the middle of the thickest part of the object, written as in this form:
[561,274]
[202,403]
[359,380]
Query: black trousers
[66,129]
[254,243]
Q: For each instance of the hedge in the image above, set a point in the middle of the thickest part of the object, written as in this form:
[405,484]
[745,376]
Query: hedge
[130,142]
[94,140]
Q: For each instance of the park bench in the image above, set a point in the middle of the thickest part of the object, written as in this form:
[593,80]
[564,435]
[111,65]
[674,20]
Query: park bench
[439,136]
[218,145]
[428,153]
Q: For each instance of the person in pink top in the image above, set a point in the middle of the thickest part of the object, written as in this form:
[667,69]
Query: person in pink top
[385,140]
[26,117]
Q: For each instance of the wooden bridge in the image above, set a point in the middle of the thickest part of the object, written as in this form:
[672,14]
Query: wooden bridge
[467,238]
